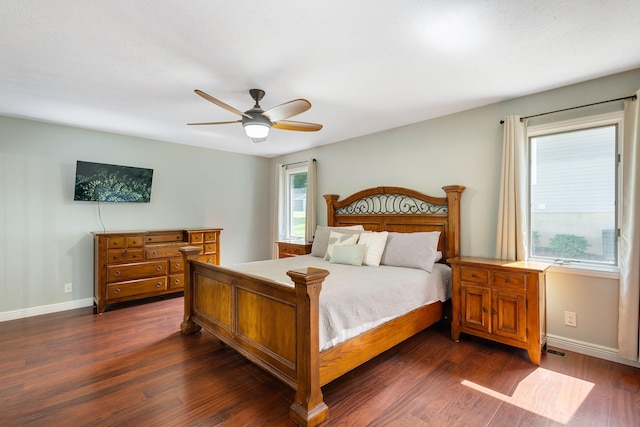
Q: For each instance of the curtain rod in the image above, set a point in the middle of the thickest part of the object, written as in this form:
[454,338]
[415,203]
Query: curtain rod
[632,97]
[297,163]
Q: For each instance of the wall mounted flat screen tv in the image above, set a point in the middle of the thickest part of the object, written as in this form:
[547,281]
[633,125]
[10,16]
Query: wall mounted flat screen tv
[101,182]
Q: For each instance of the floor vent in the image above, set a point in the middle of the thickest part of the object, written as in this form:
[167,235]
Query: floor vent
[557,353]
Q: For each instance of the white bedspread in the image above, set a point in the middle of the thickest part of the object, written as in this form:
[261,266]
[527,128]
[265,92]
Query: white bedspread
[355,299]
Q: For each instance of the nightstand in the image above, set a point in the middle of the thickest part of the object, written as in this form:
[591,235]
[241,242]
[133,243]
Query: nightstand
[291,248]
[499,300]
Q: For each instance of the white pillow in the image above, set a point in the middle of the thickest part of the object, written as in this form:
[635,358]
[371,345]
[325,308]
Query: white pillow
[321,238]
[375,243]
[413,250]
[348,254]
[339,239]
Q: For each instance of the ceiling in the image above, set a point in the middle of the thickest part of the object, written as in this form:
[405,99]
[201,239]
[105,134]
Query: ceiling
[131,67]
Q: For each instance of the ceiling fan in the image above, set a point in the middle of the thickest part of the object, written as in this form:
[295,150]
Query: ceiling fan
[257,121]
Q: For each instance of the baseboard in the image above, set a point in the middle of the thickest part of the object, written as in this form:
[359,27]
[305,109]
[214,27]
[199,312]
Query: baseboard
[601,352]
[45,309]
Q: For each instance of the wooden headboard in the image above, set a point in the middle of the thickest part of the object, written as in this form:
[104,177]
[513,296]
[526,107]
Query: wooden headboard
[402,210]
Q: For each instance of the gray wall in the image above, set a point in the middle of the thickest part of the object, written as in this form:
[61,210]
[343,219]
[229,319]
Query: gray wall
[466,149]
[45,236]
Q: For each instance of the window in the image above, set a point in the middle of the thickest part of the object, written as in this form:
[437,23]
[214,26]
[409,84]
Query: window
[573,188]
[295,201]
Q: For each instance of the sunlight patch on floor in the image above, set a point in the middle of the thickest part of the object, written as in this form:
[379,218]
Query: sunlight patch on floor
[546,393]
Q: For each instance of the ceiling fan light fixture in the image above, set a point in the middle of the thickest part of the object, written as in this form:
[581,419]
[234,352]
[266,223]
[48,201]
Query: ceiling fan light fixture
[256,130]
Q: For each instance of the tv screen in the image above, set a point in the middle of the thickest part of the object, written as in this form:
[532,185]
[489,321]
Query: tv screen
[112,183]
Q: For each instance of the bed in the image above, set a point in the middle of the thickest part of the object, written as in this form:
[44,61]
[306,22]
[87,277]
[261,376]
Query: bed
[249,312]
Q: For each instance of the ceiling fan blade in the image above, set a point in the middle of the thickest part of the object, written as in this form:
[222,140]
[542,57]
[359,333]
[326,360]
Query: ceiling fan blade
[288,109]
[216,123]
[221,104]
[299,126]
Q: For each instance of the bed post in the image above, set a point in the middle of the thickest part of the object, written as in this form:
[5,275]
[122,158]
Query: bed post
[308,408]
[331,211]
[188,326]
[453,230]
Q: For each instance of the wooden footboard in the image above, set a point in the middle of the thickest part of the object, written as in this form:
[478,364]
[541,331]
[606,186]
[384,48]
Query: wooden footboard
[273,325]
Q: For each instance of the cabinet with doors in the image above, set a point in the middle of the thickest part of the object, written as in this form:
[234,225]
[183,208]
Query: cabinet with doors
[503,301]
[139,264]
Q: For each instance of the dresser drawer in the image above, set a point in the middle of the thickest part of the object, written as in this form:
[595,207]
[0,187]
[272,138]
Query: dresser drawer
[116,242]
[124,272]
[162,251]
[209,258]
[516,282]
[196,238]
[210,237]
[136,287]
[164,237]
[116,256]
[135,242]
[176,265]
[474,275]
[210,248]
[176,281]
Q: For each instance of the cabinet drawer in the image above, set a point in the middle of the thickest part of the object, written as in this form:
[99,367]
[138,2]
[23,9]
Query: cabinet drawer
[162,251]
[176,281]
[124,272]
[513,281]
[169,236]
[474,275]
[136,287]
[176,266]
[210,248]
[211,237]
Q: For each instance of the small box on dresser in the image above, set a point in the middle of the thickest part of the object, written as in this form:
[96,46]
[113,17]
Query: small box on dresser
[139,264]
[500,300]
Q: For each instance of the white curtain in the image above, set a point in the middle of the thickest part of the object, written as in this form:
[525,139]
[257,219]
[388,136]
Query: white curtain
[629,302]
[511,238]
[277,227]
[311,217]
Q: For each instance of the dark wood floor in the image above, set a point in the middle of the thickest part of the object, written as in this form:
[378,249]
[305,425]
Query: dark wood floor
[131,367]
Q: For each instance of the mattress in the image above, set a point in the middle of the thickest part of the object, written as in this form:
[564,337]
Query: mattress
[355,299]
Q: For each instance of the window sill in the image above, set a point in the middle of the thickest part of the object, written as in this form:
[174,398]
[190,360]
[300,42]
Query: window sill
[586,270]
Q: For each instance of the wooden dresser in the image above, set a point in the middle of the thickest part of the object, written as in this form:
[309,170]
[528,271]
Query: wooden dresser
[291,248]
[138,264]
[503,301]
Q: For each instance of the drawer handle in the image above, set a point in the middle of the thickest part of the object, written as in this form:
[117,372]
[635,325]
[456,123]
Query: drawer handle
[210,261]
[176,282]
[484,309]
[116,273]
[494,311]
[116,291]
[159,268]
[473,275]
[159,285]
[154,254]
[176,265]
[508,280]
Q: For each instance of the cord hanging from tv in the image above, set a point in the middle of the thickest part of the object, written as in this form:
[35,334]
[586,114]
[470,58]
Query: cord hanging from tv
[100,182]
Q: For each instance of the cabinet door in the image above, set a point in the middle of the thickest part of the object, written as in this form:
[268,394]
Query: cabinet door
[510,315]
[475,302]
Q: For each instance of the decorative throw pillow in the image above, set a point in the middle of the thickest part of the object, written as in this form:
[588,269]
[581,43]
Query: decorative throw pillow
[339,239]
[375,243]
[321,238]
[413,250]
[348,254]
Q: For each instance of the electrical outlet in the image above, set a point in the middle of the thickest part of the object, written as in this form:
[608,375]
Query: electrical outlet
[570,319]
[68,287]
